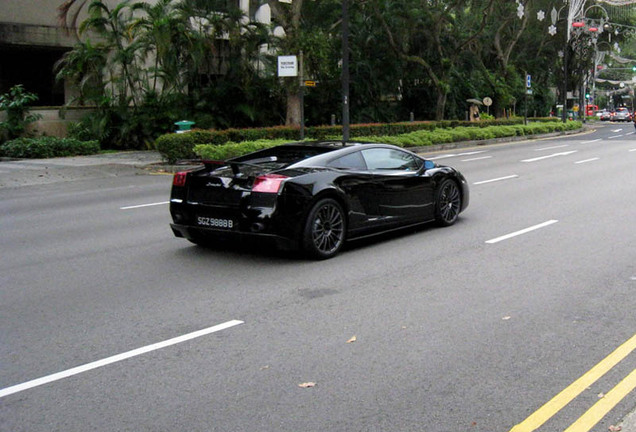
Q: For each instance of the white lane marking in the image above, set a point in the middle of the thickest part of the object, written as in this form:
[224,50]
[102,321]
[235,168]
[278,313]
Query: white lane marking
[632,150]
[549,156]
[521,232]
[116,358]
[617,130]
[496,179]
[629,133]
[144,205]
[442,157]
[471,153]
[587,160]
[477,158]
[615,136]
[551,148]
[588,142]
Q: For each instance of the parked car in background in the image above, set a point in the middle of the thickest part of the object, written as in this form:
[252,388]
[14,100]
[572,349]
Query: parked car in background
[621,114]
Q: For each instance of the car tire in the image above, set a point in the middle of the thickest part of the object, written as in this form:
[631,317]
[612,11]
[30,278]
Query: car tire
[325,229]
[448,203]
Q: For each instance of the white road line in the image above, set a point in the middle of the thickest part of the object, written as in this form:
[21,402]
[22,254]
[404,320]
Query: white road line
[588,142]
[144,205]
[551,148]
[523,231]
[587,160]
[116,358]
[629,133]
[549,156]
[477,158]
[442,157]
[617,130]
[496,179]
[632,150]
[615,136]
[472,153]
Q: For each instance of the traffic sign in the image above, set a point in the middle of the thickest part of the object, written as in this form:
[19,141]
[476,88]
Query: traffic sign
[287,66]
[528,81]
[310,83]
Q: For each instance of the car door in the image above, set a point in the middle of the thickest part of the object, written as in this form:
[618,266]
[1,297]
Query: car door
[402,193]
[358,184]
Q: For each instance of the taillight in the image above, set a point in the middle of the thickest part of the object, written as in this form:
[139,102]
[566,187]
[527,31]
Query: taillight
[180,179]
[268,183]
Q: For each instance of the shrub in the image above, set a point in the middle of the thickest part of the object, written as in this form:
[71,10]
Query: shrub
[233,149]
[174,147]
[18,117]
[181,146]
[212,144]
[47,147]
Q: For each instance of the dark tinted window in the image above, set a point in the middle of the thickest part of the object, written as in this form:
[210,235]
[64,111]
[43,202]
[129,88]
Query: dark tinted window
[353,161]
[286,154]
[390,159]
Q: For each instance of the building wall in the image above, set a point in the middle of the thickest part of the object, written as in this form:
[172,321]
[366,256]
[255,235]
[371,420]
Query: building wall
[32,40]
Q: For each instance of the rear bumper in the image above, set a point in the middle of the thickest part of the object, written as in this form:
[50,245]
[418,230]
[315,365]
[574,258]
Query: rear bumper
[201,234]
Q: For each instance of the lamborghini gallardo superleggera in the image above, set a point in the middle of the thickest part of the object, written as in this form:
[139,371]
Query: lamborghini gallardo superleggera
[314,197]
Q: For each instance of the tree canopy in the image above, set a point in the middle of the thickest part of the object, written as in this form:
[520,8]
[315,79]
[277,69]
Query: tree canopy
[215,63]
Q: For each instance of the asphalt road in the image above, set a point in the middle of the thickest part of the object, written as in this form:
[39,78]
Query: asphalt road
[474,327]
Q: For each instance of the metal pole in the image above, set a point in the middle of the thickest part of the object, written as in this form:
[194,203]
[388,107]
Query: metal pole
[301,89]
[525,102]
[564,113]
[345,71]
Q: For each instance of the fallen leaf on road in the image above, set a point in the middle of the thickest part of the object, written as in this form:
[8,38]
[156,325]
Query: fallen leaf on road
[353,339]
[615,428]
[307,385]
[601,395]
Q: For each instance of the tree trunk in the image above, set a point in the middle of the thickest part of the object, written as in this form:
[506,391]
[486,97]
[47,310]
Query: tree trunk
[293,109]
[441,104]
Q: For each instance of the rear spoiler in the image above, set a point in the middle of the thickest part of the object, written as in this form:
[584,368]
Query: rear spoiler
[236,165]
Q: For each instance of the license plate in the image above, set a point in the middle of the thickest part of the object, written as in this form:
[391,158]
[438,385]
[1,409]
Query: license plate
[218,223]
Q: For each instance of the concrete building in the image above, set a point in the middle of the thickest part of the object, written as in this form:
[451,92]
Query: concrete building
[32,40]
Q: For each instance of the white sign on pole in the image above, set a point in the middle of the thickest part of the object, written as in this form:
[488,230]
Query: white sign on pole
[287,66]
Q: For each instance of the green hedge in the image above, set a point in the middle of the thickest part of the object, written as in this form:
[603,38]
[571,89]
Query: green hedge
[441,136]
[197,143]
[180,146]
[47,147]
[421,138]
[232,149]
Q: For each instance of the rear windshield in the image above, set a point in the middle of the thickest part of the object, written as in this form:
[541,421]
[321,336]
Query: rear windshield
[285,155]
[268,160]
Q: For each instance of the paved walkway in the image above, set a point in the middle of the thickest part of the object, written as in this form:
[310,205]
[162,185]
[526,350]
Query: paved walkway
[25,172]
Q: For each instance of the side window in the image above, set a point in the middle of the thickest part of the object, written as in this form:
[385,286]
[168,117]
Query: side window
[352,161]
[390,159]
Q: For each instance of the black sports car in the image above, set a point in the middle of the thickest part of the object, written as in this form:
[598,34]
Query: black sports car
[315,196]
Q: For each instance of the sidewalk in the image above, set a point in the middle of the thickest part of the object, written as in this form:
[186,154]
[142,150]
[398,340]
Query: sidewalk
[26,172]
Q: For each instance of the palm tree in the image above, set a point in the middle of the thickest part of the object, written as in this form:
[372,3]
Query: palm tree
[68,20]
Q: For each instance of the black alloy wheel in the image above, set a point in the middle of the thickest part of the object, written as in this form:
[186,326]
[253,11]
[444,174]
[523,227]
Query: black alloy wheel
[448,201]
[324,232]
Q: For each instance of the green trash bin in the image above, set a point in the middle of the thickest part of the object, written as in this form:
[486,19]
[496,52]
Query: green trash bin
[184,126]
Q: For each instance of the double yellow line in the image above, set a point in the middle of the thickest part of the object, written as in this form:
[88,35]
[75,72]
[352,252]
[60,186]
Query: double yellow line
[598,410]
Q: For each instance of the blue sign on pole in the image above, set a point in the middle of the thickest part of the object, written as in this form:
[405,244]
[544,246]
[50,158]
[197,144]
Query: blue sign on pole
[528,81]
